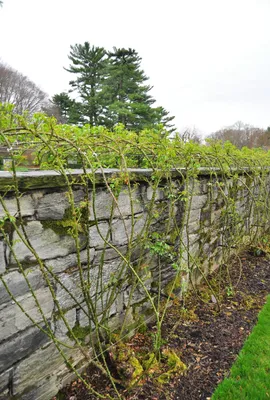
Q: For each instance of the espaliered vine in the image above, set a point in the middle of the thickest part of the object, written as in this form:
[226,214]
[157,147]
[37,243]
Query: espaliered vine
[146,217]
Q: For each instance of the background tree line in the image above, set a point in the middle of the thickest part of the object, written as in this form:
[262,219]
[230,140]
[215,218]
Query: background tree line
[243,135]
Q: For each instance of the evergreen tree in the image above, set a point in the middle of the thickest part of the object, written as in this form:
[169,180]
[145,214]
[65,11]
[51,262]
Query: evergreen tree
[70,110]
[126,92]
[113,88]
[161,116]
[88,63]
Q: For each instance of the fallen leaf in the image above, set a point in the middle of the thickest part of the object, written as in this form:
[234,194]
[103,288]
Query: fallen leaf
[213,299]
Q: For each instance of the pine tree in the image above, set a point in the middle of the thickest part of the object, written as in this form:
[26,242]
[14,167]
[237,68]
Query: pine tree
[88,63]
[70,110]
[161,116]
[113,88]
[126,93]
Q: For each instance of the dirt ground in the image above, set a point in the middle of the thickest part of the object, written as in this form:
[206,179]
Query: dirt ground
[206,336]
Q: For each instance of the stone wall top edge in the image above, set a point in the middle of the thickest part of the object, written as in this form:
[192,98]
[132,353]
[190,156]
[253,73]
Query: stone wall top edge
[42,179]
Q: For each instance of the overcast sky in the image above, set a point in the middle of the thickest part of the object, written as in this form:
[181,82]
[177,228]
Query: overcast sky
[208,60]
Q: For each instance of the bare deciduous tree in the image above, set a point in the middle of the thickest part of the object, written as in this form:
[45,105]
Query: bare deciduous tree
[191,134]
[52,110]
[241,135]
[17,89]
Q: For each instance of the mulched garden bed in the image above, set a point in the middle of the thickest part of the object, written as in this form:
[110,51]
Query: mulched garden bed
[207,339]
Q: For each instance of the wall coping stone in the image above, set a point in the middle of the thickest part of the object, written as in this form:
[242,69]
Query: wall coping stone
[43,179]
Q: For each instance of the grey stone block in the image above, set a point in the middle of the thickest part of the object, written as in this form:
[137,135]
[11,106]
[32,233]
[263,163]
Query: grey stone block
[103,202]
[215,217]
[195,186]
[104,306]
[98,235]
[109,254]
[108,306]
[20,347]
[18,285]
[5,378]
[31,375]
[62,263]
[191,253]
[190,239]
[61,329]
[70,285]
[193,215]
[207,218]
[126,316]
[203,186]
[84,317]
[156,196]
[12,318]
[166,274]
[193,227]
[46,391]
[45,242]
[122,229]
[99,278]
[128,203]
[52,206]
[191,247]
[101,205]
[27,206]
[198,202]
[31,372]
[2,258]
[139,295]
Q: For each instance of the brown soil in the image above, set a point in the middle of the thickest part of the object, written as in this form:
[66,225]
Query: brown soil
[206,339]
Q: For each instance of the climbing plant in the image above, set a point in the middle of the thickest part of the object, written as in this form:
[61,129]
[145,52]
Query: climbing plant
[146,217]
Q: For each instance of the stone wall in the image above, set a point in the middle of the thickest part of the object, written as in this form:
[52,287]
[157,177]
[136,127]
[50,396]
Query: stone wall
[42,273]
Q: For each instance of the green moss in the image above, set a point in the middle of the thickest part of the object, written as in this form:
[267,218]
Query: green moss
[151,363]
[176,366]
[140,321]
[69,222]
[141,311]
[142,328]
[7,225]
[56,226]
[138,369]
[128,366]
[28,265]
[60,227]
[60,396]
[80,332]
[174,285]
[188,314]
[249,302]
[174,235]
[174,361]
[164,378]
[130,328]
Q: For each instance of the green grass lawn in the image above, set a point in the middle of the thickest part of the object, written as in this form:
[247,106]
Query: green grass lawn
[250,374]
